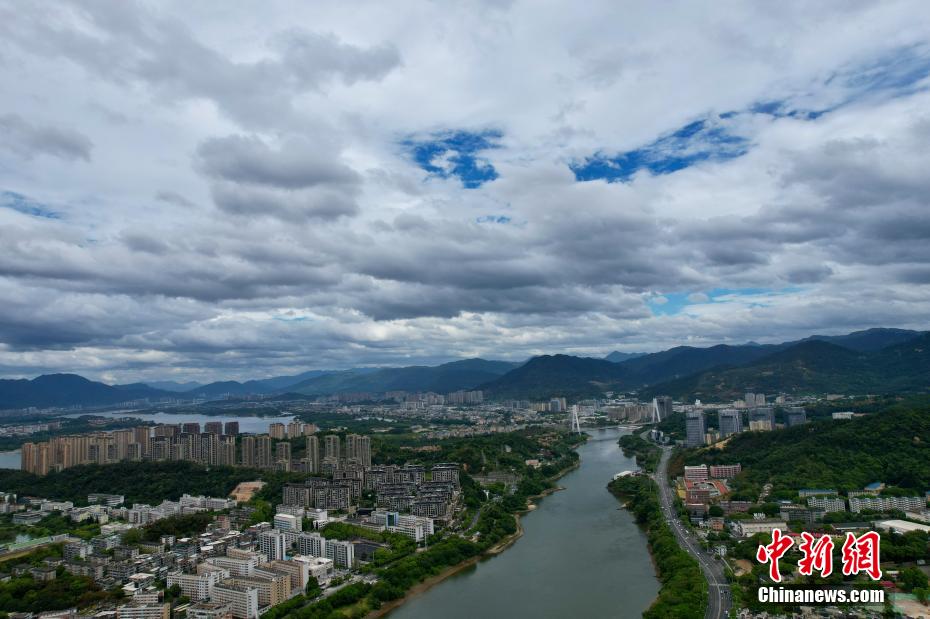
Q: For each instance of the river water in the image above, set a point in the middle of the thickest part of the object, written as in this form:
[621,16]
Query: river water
[580,556]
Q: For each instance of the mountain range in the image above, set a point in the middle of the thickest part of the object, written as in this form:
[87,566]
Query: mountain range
[870,361]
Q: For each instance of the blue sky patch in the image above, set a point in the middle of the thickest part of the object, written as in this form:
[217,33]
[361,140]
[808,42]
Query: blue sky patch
[702,140]
[457,154]
[493,219]
[19,202]
[672,303]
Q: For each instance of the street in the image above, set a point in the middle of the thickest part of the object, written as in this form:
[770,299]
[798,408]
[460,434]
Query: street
[718,591]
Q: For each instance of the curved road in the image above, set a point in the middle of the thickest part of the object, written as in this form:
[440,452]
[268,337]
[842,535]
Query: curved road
[718,591]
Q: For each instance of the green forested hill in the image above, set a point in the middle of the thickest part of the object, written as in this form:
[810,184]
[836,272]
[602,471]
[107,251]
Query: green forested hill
[892,447]
[139,482]
[814,366]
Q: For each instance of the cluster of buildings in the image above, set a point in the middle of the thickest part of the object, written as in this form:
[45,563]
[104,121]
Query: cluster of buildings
[25,429]
[413,400]
[408,488]
[218,444]
[704,486]
[226,573]
[106,507]
[730,422]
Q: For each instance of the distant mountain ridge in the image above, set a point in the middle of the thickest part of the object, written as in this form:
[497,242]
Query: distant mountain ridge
[869,361]
[618,357]
[556,375]
[815,366]
[171,385]
[445,378]
[62,390]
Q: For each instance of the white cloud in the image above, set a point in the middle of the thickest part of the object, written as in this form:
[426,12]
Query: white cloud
[213,173]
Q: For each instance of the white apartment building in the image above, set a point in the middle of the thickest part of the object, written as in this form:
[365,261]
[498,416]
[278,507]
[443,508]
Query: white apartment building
[273,545]
[311,544]
[288,522]
[143,611]
[342,553]
[198,587]
[235,566]
[242,599]
[827,503]
[320,568]
[748,528]
[417,528]
[878,504]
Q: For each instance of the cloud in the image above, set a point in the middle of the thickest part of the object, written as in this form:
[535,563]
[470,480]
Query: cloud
[127,43]
[297,181]
[27,140]
[422,183]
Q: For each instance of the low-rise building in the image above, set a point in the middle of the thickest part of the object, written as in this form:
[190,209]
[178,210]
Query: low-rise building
[748,528]
[827,503]
[143,611]
[209,610]
[725,471]
[696,473]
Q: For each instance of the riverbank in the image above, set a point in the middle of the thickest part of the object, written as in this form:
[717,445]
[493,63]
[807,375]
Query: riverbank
[493,551]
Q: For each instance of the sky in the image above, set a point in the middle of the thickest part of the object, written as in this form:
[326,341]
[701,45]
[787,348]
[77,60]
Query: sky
[231,190]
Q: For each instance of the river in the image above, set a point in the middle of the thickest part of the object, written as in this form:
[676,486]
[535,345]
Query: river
[580,556]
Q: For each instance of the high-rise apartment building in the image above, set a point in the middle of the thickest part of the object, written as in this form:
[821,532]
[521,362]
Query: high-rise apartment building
[277,431]
[273,544]
[795,416]
[231,428]
[762,419]
[283,456]
[249,452]
[358,448]
[295,429]
[730,421]
[213,427]
[694,428]
[313,454]
[332,444]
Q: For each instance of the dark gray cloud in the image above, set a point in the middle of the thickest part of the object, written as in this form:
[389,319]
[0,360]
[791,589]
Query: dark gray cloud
[297,181]
[296,165]
[28,140]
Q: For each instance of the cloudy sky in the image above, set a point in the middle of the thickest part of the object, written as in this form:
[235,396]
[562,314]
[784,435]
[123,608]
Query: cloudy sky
[195,191]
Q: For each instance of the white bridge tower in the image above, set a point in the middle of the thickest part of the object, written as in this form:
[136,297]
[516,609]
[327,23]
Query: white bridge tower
[656,415]
[576,423]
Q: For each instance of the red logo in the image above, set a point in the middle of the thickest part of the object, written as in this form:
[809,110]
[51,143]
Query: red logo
[859,554]
[818,555]
[773,552]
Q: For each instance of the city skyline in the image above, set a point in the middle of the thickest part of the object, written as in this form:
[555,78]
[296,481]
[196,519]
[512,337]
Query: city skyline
[223,194]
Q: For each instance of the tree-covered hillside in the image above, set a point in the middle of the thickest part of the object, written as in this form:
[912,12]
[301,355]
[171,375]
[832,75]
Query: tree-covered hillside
[892,447]
[814,366]
[139,482]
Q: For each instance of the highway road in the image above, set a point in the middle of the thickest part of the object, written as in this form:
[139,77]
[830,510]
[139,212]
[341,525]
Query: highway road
[718,591]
